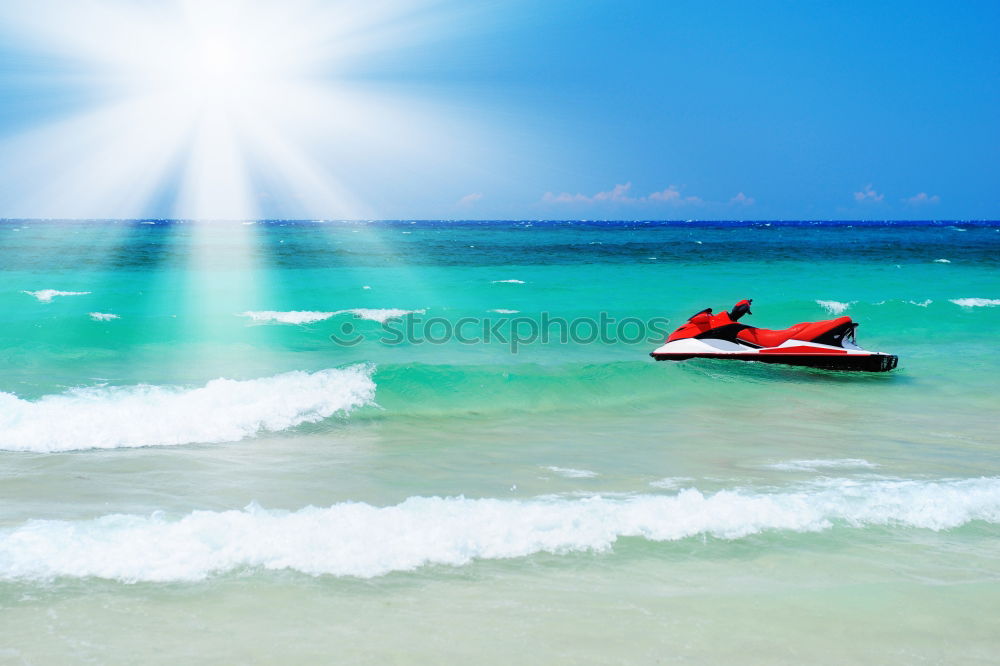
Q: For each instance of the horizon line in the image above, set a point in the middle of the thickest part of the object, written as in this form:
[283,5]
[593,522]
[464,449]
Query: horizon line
[314,220]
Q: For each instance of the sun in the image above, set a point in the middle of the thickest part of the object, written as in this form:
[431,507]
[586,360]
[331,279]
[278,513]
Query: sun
[216,72]
[221,53]
[220,60]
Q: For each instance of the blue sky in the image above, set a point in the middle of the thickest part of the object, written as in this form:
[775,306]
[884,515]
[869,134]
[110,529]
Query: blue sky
[548,109]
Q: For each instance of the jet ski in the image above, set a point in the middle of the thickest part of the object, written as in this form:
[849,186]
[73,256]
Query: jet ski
[828,344]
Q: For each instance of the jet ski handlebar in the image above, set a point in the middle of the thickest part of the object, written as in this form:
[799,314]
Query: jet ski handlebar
[740,309]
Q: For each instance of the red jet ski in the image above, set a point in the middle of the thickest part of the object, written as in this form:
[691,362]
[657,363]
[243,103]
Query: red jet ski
[828,344]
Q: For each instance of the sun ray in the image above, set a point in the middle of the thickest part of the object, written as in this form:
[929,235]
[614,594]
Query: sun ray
[103,164]
[313,191]
[216,184]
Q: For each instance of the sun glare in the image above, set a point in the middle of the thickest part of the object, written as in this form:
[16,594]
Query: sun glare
[225,107]
[213,73]
[219,60]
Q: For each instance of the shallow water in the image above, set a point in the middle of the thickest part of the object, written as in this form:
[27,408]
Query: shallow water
[210,476]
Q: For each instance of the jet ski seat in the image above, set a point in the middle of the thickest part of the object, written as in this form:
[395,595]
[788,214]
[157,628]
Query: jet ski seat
[807,330]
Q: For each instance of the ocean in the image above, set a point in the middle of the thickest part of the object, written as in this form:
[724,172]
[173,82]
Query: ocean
[356,442]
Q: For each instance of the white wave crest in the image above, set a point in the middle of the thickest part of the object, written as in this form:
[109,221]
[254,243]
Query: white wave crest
[357,539]
[922,304]
[814,465]
[504,311]
[289,317]
[835,307]
[671,482]
[380,315]
[46,295]
[507,281]
[942,261]
[571,473]
[310,316]
[224,410]
[976,302]
[103,316]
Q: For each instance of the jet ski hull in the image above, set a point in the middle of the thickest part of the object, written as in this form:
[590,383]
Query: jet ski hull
[875,362]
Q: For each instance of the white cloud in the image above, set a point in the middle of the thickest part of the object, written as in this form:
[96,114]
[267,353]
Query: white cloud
[742,200]
[669,194]
[672,195]
[922,199]
[469,199]
[868,195]
[617,193]
[620,194]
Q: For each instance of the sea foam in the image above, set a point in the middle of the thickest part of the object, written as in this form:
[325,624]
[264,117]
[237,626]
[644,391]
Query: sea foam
[223,410]
[380,315]
[46,295]
[835,307]
[824,463]
[361,540]
[571,473]
[672,482]
[103,316]
[976,302]
[288,317]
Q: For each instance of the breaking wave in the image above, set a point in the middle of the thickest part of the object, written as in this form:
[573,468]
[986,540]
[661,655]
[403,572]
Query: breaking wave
[289,317]
[46,295]
[976,302]
[223,410]
[381,315]
[571,473]
[834,307]
[361,540]
[103,316]
[672,482]
[815,465]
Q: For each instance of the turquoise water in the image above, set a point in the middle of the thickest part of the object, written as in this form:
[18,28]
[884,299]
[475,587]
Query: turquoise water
[192,468]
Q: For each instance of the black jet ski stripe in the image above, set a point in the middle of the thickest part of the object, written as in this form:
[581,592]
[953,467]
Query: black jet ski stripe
[835,336]
[728,333]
